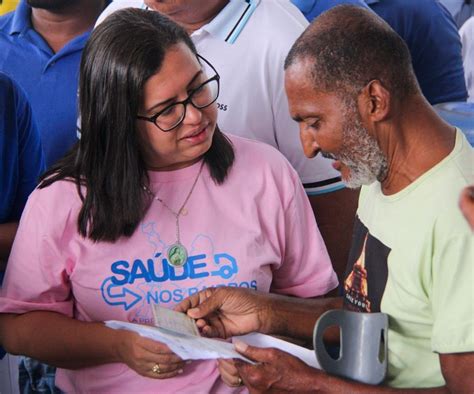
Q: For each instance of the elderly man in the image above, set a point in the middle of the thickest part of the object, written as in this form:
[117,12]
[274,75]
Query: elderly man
[355,96]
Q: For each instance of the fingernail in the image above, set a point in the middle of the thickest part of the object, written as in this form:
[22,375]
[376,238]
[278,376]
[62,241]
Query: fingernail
[241,346]
[192,311]
[180,372]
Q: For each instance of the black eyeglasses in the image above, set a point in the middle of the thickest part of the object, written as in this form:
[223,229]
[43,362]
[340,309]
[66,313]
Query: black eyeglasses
[201,97]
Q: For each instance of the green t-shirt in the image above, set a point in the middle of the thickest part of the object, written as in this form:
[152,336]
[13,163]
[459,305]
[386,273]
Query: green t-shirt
[413,258]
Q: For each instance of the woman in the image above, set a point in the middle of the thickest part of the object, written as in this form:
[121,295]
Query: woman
[154,204]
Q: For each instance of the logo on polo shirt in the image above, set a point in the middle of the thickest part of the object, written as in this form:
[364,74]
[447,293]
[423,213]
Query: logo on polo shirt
[222,107]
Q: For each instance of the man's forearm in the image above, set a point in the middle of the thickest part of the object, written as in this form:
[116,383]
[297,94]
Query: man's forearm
[59,340]
[296,317]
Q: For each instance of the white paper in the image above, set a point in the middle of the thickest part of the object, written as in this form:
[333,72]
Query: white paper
[174,321]
[260,340]
[188,347]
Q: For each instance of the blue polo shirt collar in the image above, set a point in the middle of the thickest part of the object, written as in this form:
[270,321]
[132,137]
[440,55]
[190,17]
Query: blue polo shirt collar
[21,21]
[228,24]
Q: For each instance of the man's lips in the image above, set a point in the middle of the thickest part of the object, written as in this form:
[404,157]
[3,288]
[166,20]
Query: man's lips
[337,165]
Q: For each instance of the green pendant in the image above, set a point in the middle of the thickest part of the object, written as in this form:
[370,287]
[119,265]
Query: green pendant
[177,255]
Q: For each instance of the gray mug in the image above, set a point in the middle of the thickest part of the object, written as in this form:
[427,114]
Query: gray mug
[363,345]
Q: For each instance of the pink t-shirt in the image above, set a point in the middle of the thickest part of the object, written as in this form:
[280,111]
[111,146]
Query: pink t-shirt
[256,230]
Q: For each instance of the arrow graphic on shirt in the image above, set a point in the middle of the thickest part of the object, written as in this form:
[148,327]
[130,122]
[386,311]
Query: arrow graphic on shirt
[118,295]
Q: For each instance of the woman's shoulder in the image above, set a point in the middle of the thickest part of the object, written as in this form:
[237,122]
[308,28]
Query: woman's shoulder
[59,195]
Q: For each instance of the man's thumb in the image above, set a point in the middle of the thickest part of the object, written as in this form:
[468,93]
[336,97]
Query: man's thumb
[204,308]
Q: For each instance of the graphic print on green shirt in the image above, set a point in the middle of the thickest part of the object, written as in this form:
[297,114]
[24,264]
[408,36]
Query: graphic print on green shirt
[366,274]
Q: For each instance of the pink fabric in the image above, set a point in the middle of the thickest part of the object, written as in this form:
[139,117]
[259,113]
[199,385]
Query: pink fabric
[256,230]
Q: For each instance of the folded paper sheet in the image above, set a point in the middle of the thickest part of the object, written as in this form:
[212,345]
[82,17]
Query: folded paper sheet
[188,347]
[261,340]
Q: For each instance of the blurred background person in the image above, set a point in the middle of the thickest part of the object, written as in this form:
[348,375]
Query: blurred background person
[7,6]
[467,39]
[313,8]
[434,43]
[21,161]
[41,43]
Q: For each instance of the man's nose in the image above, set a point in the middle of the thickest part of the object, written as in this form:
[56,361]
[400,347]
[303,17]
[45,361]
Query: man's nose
[310,146]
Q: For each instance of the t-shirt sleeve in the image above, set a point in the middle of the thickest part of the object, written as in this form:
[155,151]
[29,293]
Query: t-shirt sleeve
[453,294]
[37,276]
[306,270]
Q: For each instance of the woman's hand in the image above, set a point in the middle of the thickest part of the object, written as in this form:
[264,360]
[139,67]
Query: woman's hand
[148,357]
[229,373]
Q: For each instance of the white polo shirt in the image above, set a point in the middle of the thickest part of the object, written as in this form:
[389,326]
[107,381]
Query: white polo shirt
[467,38]
[247,43]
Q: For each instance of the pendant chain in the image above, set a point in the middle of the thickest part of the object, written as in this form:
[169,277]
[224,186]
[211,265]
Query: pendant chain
[180,210]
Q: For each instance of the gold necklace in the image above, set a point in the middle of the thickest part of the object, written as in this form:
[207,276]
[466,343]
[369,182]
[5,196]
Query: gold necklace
[177,253]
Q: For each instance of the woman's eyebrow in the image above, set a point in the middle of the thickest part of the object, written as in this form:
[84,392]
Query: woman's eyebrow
[172,99]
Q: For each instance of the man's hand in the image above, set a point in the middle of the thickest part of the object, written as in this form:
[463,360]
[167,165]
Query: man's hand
[275,371]
[224,312]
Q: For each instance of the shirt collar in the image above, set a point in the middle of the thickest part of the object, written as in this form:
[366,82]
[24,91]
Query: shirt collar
[228,24]
[21,18]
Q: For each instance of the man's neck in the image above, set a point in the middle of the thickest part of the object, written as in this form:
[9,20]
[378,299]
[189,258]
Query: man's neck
[58,27]
[414,144]
[192,27]
[188,17]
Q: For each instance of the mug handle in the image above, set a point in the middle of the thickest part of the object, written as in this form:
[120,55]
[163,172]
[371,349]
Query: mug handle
[327,319]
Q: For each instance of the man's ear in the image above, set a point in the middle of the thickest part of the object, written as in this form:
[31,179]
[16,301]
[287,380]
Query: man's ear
[374,102]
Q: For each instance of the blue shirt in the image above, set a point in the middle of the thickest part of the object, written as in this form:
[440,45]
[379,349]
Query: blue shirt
[313,8]
[21,156]
[49,79]
[435,46]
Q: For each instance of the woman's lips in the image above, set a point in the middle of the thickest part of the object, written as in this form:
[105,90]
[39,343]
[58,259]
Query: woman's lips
[197,137]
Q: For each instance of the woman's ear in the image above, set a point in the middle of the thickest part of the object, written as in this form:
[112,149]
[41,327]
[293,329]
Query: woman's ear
[374,102]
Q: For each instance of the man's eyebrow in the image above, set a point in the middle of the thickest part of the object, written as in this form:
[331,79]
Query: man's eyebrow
[171,99]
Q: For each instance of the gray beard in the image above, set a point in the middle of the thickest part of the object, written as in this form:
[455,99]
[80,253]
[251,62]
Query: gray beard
[361,154]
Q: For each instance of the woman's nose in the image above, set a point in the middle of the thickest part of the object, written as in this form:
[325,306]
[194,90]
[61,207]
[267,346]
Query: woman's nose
[193,115]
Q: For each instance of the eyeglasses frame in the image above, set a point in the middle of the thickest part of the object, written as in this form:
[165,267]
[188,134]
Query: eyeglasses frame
[186,101]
